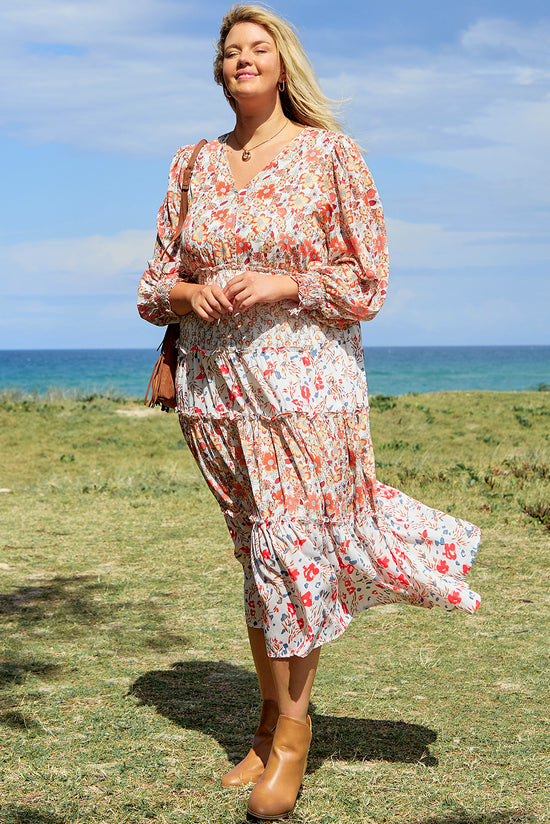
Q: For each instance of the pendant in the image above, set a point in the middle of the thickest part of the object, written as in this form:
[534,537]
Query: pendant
[245,155]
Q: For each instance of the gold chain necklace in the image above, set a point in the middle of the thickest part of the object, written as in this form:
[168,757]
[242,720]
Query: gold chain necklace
[246,152]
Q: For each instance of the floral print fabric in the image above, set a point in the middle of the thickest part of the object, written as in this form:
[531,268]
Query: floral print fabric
[273,402]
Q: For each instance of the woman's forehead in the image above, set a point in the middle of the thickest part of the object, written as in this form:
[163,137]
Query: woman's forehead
[250,32]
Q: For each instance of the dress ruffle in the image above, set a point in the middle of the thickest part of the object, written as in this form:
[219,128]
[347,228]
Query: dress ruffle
[319,538]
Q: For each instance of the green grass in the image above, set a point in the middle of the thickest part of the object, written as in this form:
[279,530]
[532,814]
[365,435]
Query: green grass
[126,685]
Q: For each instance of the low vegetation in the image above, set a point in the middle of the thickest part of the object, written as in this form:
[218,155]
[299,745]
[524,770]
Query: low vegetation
[126,685]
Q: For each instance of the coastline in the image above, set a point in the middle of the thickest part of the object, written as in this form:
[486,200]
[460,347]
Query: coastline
[390,370]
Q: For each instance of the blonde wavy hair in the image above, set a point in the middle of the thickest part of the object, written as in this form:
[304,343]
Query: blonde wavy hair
[302,100]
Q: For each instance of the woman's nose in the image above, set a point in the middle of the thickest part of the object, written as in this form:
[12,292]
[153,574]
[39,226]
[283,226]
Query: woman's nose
[244,59]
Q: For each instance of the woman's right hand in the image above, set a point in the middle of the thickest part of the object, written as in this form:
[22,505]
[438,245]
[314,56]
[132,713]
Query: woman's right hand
[208,300]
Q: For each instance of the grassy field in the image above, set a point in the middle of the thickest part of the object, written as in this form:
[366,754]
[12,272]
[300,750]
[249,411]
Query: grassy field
[126,686]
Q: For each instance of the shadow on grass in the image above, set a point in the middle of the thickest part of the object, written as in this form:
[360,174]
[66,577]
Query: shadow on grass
[65,596]
[14,814]
[15,672]
[463,817]
[61,604]
[76,605]
[222,700]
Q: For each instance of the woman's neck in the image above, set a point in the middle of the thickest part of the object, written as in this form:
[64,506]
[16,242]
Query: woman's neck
[257,124]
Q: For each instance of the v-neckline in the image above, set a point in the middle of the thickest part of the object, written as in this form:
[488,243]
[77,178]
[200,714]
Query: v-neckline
[273,162]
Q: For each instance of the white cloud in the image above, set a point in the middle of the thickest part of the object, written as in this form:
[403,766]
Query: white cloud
[139,84]
[506,39]
[64,267]
[128,87]
[471,309]
[430,246]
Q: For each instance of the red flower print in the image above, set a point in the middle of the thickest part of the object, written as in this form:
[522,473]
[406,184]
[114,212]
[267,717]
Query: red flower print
[306,393]
[300,623]
[310,572]
[294,574]
[224,369]
[384,562]
[306,599]
[266,554]
[306,360]
[243,246]
[465,569]
[442,567]
[455,597]
[450,551]
[291,610]
[235,392]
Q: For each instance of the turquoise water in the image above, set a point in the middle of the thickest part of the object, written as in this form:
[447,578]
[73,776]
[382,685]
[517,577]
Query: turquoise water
[390,371]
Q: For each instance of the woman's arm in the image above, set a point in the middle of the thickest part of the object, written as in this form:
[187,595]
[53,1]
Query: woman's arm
[165,268]
[352,285]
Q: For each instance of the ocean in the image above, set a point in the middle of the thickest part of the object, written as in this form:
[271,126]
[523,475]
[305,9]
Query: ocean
[390,370]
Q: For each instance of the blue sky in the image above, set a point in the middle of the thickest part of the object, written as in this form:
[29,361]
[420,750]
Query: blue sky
[450,101]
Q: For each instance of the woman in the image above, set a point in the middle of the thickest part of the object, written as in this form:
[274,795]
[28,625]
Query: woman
[282,253]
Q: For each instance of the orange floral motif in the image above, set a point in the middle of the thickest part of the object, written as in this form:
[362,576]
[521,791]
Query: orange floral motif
[266,191]
[273,402]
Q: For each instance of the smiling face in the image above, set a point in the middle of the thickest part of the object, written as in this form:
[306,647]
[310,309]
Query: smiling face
[251,63]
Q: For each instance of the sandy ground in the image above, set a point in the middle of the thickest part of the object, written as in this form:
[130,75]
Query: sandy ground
[138,411]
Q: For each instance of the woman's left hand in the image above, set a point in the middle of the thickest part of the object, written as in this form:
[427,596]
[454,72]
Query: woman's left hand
[249,288]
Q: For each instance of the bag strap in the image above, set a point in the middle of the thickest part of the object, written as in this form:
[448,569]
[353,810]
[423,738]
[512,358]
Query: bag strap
[186,182]
[185,187]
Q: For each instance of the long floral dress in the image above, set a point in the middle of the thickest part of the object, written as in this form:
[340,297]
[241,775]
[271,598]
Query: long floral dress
[273,402]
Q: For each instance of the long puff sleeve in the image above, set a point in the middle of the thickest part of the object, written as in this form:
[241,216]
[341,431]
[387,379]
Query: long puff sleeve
[352,286]
[165,268]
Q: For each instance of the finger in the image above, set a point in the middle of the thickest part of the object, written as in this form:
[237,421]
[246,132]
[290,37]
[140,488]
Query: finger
[237,292]
[233,287]
[222,300]
[205,309]
[213,312]
[202,313]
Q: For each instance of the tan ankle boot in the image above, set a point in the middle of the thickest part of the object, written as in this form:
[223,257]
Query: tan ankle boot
[274,796]
[253,764]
